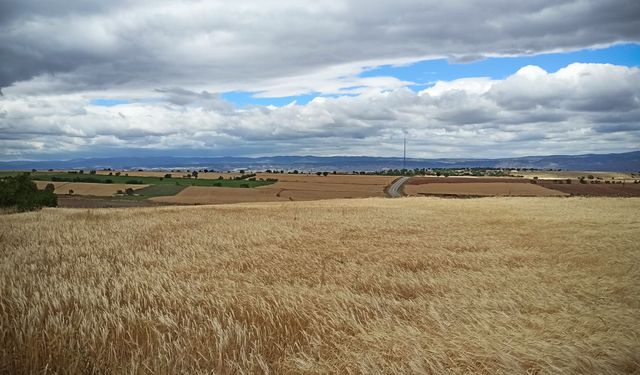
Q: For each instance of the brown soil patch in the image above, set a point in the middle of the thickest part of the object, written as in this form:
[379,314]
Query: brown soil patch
[482,189]
[596,190]
[464,180]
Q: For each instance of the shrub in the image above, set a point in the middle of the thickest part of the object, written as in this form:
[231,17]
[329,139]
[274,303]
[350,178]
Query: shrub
[129,191]
[168,175]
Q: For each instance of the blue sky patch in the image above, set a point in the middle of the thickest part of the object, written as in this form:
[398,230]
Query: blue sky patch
[426,72]
[109,102]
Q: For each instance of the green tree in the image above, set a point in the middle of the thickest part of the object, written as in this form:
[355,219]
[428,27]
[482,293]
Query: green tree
[22,193]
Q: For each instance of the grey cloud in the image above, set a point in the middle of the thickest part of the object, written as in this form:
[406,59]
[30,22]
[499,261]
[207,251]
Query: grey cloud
[247,44]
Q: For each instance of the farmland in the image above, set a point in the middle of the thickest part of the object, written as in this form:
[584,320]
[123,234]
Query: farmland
[157,188]
[288,188]
[487,189]
[414,285]
[145,180]
[92,189]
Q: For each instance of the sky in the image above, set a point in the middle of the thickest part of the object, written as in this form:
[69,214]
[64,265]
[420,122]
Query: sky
[458,78]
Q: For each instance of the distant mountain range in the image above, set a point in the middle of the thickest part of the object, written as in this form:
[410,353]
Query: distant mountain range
[623,162]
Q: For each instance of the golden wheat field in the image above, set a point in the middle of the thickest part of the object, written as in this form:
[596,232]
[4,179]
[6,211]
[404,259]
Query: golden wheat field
[372,286]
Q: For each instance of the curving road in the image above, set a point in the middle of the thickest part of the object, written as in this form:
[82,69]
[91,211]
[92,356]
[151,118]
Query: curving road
[395,189]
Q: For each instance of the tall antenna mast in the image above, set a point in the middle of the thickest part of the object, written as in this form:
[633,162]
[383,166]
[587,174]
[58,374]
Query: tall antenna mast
[404,154]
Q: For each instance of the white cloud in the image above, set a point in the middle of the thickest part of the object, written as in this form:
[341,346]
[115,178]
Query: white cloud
[580,108]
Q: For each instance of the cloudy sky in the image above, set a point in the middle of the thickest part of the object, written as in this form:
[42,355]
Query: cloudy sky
[458,78]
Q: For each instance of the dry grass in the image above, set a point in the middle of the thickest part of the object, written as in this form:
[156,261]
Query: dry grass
[87,188]
[414,285]
[482,189]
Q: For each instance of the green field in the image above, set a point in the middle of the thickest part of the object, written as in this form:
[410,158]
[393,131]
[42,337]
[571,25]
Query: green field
[95,178]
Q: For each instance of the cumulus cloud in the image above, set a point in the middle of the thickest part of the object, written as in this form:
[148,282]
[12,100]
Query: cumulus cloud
[280,47]
[580,108]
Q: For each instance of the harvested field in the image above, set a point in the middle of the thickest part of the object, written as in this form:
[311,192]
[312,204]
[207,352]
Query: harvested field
[482,189]
[220,195]
[596,190]
[574,175]
[331,179]
[208,175]
[465,180]
[414,285]
[370,190]
[292,187]
[86,188]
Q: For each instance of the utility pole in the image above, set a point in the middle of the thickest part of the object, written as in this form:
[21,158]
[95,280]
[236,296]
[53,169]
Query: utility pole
[404,154]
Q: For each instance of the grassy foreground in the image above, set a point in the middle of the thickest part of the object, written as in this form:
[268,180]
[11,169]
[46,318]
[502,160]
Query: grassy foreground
[416,285]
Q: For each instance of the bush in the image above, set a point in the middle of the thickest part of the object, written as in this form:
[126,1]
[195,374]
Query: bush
[129,191]
[22,193]
[168,175]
